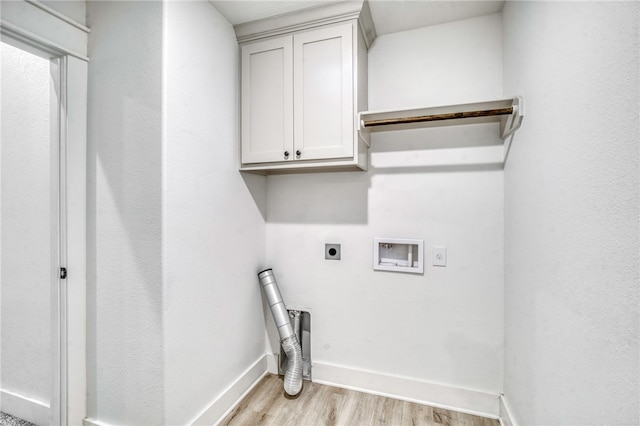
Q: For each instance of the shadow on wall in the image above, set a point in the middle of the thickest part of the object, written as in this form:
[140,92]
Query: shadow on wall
[257,186]
[124,212]
[343,198]
[452,168]
[123,291]
[330,198]
[447,136]
[448,149]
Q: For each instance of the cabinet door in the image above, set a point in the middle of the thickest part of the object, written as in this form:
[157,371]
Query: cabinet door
[323,90]
[267,101]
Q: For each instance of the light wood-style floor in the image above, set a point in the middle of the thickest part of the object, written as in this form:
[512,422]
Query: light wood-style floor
[317,404]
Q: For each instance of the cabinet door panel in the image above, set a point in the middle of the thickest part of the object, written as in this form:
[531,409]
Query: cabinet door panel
[323,90]
[267,101]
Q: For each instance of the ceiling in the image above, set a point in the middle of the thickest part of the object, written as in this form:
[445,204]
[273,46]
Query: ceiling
[389,16]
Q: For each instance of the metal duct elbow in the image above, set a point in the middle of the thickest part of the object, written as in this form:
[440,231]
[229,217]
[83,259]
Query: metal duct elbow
[288,339]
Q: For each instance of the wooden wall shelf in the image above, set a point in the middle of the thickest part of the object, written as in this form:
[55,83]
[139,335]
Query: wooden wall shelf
[508,112]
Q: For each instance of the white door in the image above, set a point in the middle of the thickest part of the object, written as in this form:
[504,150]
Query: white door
[30,246]
[323,89]
[42,230]
[267,101]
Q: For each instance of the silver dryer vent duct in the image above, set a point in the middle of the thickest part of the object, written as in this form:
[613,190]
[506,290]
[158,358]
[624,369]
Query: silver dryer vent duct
[288,339]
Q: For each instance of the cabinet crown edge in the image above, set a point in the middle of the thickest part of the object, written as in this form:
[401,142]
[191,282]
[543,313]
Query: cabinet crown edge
[309,18]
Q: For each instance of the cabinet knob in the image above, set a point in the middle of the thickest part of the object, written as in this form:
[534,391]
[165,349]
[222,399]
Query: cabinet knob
[298,153]
[286,154]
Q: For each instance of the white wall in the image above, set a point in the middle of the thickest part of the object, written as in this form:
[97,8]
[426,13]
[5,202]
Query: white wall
[213,234]
[124,296]
[178,233]
[571,214]
[444,326]
[438,65]
[26,226]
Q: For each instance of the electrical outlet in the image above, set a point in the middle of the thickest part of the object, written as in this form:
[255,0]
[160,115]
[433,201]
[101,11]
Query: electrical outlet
[439,256]
[332,251]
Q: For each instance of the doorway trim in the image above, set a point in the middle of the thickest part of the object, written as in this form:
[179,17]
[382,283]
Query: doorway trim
[35,30]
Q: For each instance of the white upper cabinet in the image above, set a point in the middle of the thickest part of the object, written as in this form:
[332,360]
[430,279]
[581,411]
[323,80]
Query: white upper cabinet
[301,93]
[267,101]
[323,93]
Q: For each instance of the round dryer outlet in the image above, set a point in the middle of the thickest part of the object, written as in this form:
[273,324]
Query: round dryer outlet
[332,251]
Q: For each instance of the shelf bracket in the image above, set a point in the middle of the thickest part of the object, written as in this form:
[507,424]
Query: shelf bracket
[510,123]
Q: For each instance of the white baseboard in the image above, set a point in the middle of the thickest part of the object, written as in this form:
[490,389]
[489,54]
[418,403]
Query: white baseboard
[408,389]
[25,408]
[93,422]
[506,418]
[225,402]
[273,361]
[230,397]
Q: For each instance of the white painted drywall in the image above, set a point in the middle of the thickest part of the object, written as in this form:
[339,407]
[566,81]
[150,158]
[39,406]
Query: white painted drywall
[175,312]
[124,295]
[395,16]
[213,229]
[444,326]
[438,65]
[571,214]
[26,225]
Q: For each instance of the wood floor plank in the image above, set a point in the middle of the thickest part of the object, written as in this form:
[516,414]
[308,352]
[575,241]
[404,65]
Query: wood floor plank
[418,414]
[321,405]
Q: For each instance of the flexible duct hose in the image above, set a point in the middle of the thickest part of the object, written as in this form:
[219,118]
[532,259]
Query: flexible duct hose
[293,374]
[288,339]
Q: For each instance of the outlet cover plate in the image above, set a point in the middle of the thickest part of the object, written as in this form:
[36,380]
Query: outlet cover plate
[439,255]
